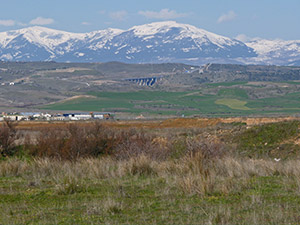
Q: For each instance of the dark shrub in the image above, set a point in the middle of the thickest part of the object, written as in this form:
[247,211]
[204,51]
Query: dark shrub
[135,142]
[266,139]
[8,136]
[73,142]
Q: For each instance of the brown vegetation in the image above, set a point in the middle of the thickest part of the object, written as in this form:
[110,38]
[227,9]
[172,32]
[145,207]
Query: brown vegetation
[209,175]
[72,142]
[159,124]
[192,174]
[8,136]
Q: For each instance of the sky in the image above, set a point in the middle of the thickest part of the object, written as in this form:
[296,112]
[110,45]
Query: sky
[242,19]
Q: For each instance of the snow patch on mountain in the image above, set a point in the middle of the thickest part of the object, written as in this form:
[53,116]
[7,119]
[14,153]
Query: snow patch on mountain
[98,39]
[277,51]
[149,31]
[265,47]
[42,36]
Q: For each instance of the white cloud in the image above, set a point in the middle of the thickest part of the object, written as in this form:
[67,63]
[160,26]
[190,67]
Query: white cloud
[41,21]
[243,38]
[164,14]
[119,15]
[231,15]
[22,24]
[85,23]
[7,23]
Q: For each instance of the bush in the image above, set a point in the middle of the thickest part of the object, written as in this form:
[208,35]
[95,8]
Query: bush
[8,136]
[209,149]
[92,140]
[134,143]
[73,142]
[264,139]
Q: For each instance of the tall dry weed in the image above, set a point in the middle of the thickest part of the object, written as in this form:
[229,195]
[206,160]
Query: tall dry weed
[134,143]
[13,167]
[140,165]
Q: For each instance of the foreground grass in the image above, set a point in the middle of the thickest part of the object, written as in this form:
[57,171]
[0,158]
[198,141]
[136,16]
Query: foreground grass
[142,191]
[210,173]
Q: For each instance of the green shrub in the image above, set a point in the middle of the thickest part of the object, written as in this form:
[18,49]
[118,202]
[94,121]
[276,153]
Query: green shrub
[265,140]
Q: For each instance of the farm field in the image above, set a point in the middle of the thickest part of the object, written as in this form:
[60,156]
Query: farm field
[176,171]
[233,103]
[224,99]
[177,89]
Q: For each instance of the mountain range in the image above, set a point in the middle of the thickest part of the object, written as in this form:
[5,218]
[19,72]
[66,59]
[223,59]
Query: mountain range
[158,42]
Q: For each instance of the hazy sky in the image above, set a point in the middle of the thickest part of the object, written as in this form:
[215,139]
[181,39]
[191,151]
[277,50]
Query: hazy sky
[253,18]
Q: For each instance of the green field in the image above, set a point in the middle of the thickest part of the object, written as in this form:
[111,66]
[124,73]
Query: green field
[233,92]
[233,103]
[224,101]
[164,103]
[227,84]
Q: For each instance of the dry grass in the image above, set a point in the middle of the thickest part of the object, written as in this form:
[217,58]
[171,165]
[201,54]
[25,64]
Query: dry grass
[169,123]
[170,176]
[190,174]
[169,180]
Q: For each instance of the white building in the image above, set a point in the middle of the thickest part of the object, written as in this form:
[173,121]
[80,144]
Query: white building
[98,116]
[80,116]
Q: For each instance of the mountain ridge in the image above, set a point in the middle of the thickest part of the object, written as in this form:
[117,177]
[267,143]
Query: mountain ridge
[157,42]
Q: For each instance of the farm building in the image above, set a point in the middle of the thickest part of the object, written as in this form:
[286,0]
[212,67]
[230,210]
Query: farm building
[13,117]
[16,117]
[25,116]
[98,116]
[59,117]
[46,116]
[101,115]
[31,115]
[87,116]
[78,116]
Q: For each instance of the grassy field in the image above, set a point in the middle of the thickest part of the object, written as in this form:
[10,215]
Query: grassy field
[227,84]
[233,92]
[233,103]
[138,102]
[210,173]
[142,191]
[225,102]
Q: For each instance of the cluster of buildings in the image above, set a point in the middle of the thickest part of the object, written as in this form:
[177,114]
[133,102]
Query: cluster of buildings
[57,116]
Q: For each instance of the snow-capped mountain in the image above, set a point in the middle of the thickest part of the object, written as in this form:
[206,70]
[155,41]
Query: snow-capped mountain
[171,41]
[153,43]
[44,44]
[276,52]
